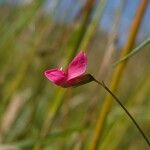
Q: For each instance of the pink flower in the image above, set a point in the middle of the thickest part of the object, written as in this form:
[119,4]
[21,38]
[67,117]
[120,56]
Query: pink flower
[73,76]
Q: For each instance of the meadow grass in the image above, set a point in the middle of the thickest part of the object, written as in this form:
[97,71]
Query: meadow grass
[117,74]
[35,114]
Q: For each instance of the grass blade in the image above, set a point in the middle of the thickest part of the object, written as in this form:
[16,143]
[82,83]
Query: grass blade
[134,51]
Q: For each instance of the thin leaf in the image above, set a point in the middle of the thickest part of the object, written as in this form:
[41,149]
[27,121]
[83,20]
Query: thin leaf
[134,51]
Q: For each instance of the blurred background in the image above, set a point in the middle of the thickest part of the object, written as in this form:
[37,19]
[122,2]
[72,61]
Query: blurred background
[42,34]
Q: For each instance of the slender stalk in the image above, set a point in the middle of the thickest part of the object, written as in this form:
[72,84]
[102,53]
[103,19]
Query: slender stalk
[134,51]
[111,44]
[117,74]
[74,43]
[92,28]
[120,126]
[125,109]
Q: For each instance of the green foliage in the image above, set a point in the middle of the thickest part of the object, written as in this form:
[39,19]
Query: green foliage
[36,114]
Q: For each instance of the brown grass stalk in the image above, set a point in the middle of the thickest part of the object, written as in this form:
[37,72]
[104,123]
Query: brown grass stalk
[77,37]
[116,77]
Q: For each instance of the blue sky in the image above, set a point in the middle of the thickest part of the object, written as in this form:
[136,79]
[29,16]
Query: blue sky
[127,16]
[69,8]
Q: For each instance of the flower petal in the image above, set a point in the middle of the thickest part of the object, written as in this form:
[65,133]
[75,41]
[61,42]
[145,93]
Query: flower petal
[57,76]
[78,66]
[80,80]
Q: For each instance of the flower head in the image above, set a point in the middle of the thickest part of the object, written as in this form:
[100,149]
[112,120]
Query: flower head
[73,76]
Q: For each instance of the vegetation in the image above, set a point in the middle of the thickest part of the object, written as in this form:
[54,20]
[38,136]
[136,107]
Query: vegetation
[35,114]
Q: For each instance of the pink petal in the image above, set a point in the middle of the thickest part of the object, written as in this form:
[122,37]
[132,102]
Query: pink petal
[78,66]
[80,80]
[57,76]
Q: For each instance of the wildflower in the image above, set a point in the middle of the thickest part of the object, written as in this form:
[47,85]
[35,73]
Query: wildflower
[73,76]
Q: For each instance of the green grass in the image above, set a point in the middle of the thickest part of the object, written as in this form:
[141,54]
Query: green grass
[34,113]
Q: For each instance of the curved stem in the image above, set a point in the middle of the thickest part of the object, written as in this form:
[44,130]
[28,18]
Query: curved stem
[124,108]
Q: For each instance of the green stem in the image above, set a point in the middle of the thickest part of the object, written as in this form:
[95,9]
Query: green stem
[134,51]
[124,108]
